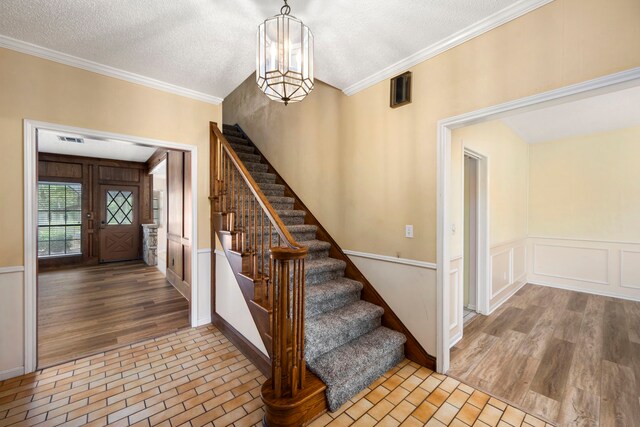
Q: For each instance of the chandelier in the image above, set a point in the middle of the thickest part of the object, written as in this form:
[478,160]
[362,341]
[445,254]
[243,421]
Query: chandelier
[284,66]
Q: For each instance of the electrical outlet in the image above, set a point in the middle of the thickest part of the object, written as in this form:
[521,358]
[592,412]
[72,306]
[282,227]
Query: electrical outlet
[408,230]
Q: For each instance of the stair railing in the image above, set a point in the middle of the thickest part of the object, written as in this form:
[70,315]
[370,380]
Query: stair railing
[256,230]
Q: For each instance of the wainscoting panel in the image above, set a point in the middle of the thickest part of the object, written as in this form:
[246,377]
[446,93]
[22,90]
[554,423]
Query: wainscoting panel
[594,266]
[409,287]
[507,270]
[11,319]
[630,269]
[571,262]
[456,314]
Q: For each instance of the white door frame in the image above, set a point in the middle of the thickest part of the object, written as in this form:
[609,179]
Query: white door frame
[31,220]
[612,82]
[482,229]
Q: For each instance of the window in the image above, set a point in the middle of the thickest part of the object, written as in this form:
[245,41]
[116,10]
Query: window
[59,219]
[119,207]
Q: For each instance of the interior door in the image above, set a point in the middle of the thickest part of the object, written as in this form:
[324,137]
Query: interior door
[119,223]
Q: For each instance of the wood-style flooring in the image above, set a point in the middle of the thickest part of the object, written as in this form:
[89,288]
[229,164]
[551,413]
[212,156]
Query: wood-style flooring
[568,357]
[196,377]
[82,311]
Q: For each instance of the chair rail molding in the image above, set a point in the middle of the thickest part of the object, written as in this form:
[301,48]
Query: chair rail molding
[30,221]
[616,81]
[387,258]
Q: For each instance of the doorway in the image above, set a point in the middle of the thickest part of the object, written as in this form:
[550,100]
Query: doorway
[470,277]
[100,284]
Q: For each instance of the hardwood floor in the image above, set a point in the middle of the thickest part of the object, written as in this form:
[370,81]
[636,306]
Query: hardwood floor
[568,357]
[196,377]
[86,310]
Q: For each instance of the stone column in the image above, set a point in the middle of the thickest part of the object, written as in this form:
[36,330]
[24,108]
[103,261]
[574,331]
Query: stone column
[150,244]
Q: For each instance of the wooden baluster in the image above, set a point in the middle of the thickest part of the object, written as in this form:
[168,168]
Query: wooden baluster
[293,375]
[303,364]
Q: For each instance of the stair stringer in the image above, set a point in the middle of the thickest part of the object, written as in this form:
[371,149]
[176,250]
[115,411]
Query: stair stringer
[413,349]
[261,316]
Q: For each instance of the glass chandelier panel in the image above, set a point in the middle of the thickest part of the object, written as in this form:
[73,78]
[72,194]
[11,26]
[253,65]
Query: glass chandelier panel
[284,68]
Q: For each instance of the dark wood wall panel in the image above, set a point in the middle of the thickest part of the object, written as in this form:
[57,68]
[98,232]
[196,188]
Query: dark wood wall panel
[92,173]
[60,169]
[119,174]
[179,205]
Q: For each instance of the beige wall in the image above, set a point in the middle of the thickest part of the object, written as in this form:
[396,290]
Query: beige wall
[37,89]
[508,169]
[576,193]
[366,170]
[302,141]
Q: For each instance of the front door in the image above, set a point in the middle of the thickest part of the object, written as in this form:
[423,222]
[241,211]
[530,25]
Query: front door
[119,223]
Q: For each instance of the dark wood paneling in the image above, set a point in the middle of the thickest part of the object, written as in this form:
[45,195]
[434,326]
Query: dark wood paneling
[179,223]
[60,169]
[118,174]
[91,173]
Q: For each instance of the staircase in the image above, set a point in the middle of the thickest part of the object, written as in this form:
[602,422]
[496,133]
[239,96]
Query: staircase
[345,340]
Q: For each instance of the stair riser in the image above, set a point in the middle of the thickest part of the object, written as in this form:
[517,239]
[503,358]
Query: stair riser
[314,278]
[233,132]
[337,338]
[318,254]
[325,305]
[264,178]
[237,140]
[338,395]
[239,148]
[256,167]
[273,192]
[246,157]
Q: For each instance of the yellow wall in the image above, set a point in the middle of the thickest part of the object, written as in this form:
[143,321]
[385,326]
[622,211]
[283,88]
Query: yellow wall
[508,163]
[366,170]
[575,193]
[37,89]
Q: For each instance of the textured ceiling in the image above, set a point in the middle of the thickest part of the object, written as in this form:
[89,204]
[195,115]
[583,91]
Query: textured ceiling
[209,45]
[601,113]
[48,142]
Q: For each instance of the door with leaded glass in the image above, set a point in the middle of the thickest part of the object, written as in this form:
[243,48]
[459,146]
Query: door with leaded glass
[119,223]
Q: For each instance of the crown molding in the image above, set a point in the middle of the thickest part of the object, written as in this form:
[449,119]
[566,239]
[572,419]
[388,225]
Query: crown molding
[105,70]
[497,19]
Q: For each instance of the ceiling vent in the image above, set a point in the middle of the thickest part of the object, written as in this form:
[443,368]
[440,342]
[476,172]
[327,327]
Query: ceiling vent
[71,139]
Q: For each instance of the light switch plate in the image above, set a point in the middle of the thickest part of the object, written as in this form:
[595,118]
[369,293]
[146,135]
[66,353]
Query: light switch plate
[408,230]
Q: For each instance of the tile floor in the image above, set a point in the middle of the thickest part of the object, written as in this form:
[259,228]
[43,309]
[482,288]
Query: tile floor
[197,377]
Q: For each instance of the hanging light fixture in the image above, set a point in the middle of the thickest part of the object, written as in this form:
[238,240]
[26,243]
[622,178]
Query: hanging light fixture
[284,66]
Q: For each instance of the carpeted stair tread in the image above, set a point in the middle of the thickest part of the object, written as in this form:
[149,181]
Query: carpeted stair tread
[281,199]
[331,295]
[291,216]
[352,367]
[322,265]
[247,157]
[256,166]
[239,148]
[316,245]
[264,177]
[334,328]
[237,140]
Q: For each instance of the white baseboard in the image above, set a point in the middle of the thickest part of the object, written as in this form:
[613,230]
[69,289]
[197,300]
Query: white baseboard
[10,373]
[507,296]
[581,289]
[203,321]
[454,339]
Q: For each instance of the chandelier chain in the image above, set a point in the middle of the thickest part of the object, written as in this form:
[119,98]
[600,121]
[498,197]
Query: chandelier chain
[286,9]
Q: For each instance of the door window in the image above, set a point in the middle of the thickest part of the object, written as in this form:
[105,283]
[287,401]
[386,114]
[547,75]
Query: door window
[119,207]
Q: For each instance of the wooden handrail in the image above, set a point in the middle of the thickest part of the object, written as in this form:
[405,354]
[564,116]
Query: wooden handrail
[279,226]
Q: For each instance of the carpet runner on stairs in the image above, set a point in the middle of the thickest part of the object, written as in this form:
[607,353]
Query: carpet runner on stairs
[345,344]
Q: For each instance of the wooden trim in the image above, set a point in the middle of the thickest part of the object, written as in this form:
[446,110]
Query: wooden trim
[156,158]
[250,351]
[414,351]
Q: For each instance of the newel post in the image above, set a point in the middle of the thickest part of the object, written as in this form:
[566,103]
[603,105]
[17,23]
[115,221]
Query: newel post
[287,278]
